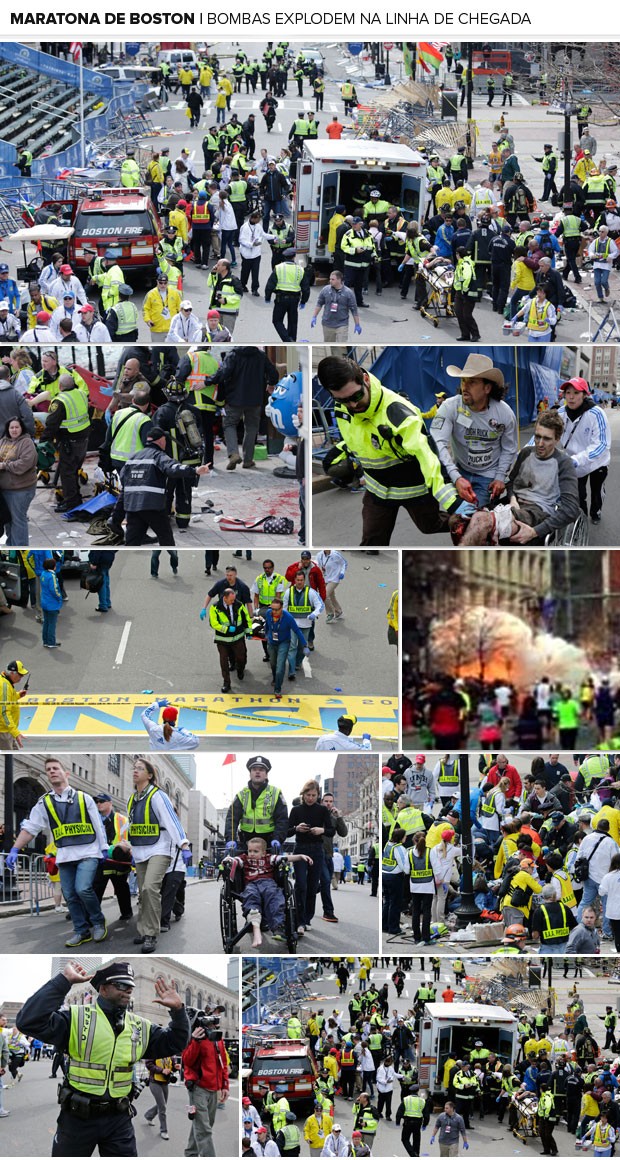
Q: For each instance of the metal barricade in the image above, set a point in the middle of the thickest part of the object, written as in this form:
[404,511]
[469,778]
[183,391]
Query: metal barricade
[39,884]
[14,886]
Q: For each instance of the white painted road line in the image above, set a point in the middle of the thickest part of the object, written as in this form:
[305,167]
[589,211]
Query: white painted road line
[118,660]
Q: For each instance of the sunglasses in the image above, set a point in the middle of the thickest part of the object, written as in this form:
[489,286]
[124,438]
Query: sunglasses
[187,309]
[356,397]
[124,986]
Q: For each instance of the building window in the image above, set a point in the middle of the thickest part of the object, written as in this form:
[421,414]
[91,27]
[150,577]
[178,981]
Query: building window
[200,1000]
[114,763]
[188,997]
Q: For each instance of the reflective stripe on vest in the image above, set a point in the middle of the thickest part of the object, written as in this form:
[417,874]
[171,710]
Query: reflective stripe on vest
[289,278]
[550,932]
[413,1107]
[69,831]
[128,440]
[388,859]
[268,586]
[446,778]
[425,875]
[204,394]
[101,1062]
[536,323]
[76,411]
[142,831]
[127,315]
[488,805]
[258,818]
[571,226]
[303,609]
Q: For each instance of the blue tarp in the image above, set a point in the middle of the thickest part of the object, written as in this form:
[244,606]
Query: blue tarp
[530,372]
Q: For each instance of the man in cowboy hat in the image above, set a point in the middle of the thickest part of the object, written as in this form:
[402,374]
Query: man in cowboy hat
[475,432]
[104,1041]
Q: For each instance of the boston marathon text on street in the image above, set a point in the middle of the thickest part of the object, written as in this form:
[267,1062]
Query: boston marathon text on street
[244,19]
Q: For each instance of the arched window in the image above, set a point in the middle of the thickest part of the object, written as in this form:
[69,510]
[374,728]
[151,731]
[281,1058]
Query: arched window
[177,801]
[168,787]
[200,1000]
[188,997]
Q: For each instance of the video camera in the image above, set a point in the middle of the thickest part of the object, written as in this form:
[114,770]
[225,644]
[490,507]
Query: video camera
[208,1020]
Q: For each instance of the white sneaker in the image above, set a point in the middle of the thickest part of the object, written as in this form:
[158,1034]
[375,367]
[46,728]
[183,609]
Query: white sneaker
[164,1135]
[60,910]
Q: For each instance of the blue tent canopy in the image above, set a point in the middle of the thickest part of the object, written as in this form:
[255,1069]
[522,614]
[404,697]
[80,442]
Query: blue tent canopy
[530,373]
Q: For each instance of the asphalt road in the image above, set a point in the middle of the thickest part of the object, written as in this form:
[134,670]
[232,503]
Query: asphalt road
[340,511]
[198,932]
[23,1129]
[528,122]
[487,1138]
[153,637]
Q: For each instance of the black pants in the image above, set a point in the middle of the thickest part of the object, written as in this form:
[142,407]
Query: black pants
[206,428]
[286,307]
[615,930]
[120,886]
[179,495]
[571,249]
[410,1135]
[347,1080]
[379,519]
[72,453]
[572,1114]
[139,523]
[58,1061]
[173,895]
[545,1128]
[354,277]
[384,1100]
[230,652]
[568,738]
[410,272]
[549,187]
[113,1135]
[421,905]
[464,1107]
[500,280]
[250,267]
[597,491]
[318,97]
[464,306]
[201,245]
[507,96]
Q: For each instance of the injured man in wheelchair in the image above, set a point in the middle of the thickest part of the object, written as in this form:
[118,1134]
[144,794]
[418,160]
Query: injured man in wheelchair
[541,496]
[262,898]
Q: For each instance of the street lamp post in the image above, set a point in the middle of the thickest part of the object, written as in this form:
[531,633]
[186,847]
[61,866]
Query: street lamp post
[467,911]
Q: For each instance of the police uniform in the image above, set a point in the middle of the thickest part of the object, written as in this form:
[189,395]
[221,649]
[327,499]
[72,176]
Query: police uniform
[104,1043]
[231,624]
[257,813]
[291,286]
[177,417]
[68,423]
[128,431]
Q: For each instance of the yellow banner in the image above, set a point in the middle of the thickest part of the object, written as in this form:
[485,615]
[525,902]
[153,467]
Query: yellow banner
[208,715]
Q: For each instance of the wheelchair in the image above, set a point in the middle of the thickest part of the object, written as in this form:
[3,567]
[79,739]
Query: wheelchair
[230,896]
[574,535]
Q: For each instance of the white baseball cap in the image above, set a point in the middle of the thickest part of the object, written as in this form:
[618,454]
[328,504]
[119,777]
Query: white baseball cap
[186,304]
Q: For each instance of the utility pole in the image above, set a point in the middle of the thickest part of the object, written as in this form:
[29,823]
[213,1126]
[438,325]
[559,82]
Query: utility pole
[469,95]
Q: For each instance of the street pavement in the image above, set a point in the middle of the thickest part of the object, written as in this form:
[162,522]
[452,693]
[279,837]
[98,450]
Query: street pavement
[529,122]
[340,510]
[198,931]
[23,1131]
[487,1138]
[587,738]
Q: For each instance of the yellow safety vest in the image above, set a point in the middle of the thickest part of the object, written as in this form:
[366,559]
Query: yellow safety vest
[258,817]
[76,411]
[77,828]
[536,321]
[303,609]
[204,394]
[446,778]
[142,831]
[425,875]
[560,932]
[129,440]
[413,1107]
[289,278]
[101,1062]
[268,587]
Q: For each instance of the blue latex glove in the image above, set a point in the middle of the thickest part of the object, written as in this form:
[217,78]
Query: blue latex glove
[313,323]
[366,736]
[232,628]
[432,1140]
[203,614]
[162,702]
[11,858]
[302,305]
[341,577]
[466,509]
[357,329]
[466,1147]
[401,267]
[230,846]
[276,846]
[306,651]
[186,856]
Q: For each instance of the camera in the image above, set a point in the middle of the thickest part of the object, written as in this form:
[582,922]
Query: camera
[208,1020]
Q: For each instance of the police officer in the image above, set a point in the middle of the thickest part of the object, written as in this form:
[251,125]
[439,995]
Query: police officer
[490,89]
[319,91]
[280,239]
[130,171]
[288,1137]
[122,318]
[72,819]
[68,423]
[507,87]
[299,130]
[230,620]
[411,1111]
[291,286]
[24,162]
[570,228]
[129,428]
[144,480]
[110,281]
[359,252]
[465,296]
[549,169]
[194,371]
[103,1042]
[258,810]
[400,467]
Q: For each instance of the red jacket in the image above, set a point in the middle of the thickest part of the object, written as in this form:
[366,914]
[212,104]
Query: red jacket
[509,772]
[204,1062]
[315,577]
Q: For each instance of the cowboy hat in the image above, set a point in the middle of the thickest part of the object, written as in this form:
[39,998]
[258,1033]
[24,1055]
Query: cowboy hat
[477,366]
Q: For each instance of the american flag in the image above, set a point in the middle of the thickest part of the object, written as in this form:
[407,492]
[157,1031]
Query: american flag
[75,48]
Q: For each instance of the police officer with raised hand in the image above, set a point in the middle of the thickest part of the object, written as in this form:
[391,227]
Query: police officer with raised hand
[103,1041]
[72,818]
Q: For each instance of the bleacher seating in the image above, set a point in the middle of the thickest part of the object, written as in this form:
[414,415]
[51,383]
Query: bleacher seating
[38,111]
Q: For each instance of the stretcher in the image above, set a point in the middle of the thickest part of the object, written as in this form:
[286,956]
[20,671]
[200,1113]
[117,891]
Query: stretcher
[522,1115]
[438,274]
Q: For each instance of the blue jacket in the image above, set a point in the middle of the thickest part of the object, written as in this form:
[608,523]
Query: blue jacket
[51,596]
[38,557]
[9,290]
[286,626]
[443,241]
